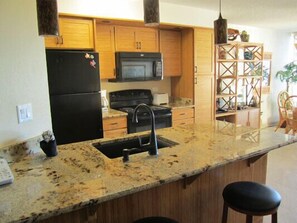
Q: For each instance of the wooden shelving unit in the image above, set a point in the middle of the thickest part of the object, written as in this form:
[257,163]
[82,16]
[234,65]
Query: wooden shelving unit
[238,76]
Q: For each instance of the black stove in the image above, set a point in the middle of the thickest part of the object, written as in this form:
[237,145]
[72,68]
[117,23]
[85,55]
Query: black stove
[127,100]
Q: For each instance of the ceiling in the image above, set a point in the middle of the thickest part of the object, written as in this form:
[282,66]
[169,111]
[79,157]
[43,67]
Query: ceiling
[275,14]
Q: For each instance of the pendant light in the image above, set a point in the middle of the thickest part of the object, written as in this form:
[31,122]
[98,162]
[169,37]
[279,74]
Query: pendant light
[151,12]
[47,17]
[220,29]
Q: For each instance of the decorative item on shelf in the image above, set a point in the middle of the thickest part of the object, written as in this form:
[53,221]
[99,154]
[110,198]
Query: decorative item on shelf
[244,36]
[220,29]
[49,144]
[47,17]
[219,86]
[222,54]
[232,34]
[151,12]
[248,55]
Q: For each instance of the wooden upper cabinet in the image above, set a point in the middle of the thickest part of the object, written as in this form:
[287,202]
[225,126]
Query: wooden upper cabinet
[170,47]
[136,39]
[204,51]
[106,49]
[75,33]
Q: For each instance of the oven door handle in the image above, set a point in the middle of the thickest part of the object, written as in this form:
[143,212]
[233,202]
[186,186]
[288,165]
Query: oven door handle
[147,117]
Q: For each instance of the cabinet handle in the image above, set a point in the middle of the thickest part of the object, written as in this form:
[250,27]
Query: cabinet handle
[62,42]
[139,45]
[57,40]
[181,114]
[195,80]
[195,69]
[114,123]
[136,45]
[114,72]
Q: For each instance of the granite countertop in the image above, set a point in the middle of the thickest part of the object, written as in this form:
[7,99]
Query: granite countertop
[111,113]
[80,175]
[176,103]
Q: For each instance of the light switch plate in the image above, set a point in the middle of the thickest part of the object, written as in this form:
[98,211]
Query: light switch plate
[24,112]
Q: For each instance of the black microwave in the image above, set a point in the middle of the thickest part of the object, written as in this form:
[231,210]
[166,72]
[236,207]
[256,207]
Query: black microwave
[134,66]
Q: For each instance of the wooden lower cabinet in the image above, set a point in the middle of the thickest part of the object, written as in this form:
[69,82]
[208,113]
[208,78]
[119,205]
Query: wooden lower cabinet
[249,117]
[196,199]
[182,116]
[114,127]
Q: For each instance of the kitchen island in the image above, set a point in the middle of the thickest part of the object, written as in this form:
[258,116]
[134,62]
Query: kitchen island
[184,182]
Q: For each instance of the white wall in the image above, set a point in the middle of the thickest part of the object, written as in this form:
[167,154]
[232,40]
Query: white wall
[23,77]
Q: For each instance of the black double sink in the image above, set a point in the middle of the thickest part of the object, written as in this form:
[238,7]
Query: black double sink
[114,148]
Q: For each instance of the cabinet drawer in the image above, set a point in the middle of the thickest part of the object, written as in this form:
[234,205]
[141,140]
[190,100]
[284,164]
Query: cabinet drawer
[115,133]
[114,123]
[185,121]
[183,113]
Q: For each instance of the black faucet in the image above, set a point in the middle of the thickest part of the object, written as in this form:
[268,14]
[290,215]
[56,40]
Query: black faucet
[152,146]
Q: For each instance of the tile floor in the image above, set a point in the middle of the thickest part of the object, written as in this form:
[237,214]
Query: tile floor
[282,175]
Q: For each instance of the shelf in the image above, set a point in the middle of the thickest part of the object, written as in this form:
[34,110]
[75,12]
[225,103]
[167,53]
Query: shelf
[225,114]
[237,77]
[248,76]
[241,44]
[225,95]
[238,60]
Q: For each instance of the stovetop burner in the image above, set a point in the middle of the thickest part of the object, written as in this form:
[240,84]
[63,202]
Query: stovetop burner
[127,100]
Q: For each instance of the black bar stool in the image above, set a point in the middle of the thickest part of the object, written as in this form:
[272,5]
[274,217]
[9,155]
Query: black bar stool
[252,199]
[155,220]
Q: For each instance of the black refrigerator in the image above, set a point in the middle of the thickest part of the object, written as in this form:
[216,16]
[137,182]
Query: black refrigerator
[75,99]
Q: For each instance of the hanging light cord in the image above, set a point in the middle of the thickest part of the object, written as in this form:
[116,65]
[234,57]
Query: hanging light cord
[220,6]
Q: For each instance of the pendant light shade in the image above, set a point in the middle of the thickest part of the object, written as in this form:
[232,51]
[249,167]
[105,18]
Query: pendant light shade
[220,29]
[151,12]
[47,17]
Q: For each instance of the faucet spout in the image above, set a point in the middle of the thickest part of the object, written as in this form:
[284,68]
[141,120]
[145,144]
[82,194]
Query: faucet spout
[153,145]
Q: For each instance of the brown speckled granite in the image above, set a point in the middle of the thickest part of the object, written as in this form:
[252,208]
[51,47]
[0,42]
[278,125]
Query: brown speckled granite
[111,113]
[80,175]
[175,103]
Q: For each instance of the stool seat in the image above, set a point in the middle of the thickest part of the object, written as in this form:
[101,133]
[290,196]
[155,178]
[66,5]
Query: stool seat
[155,220]
[251,197]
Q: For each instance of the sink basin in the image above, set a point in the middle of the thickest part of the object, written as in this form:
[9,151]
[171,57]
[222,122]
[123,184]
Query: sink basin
[114,148]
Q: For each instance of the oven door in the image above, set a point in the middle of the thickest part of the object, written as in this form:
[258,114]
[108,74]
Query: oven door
[144,123]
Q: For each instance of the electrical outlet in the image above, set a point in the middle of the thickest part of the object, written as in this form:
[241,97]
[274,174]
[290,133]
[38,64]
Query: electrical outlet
[24,112]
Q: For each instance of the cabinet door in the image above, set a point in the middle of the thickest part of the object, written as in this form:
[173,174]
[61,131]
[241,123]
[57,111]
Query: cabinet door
[254,118]
[204,99]
[170,47]
[135,39]
[125,38]
[75,33]
[204,51]
[148,39]
[249,117]
[106,49]
[242,118]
